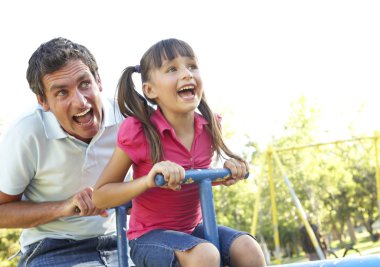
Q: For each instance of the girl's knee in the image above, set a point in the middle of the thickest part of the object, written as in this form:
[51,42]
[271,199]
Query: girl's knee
[245,251]
[204,254]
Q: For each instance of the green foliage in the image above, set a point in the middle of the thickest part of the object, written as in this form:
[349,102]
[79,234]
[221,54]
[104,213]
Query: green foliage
[335,184]
[234,204]
[9,246]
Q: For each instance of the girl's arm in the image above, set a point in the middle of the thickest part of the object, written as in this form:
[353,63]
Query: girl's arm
[111,190]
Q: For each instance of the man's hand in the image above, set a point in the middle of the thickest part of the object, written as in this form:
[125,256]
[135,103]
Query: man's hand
[81,204]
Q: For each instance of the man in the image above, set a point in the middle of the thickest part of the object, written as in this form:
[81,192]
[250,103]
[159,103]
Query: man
[52,156]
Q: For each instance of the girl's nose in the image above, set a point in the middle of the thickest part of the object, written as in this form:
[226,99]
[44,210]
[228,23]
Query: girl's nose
[187,74]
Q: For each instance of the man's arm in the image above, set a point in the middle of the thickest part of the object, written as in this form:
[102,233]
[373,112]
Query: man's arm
[15,213]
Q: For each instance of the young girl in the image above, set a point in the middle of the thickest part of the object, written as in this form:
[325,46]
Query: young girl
[182,133]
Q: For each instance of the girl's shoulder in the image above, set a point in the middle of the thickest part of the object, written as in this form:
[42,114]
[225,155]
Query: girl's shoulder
[131,129]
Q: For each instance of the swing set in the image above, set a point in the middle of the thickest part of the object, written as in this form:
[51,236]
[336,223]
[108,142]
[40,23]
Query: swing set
[272,156]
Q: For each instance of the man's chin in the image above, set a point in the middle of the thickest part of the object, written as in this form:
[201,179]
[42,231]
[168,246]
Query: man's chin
[87,134]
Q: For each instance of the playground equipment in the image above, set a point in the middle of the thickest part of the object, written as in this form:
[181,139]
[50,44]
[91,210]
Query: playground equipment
[204,178]
[365,261]
[271,158]
[348,247]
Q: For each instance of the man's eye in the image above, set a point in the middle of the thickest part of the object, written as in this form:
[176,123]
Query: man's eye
[85,85]
[61,93]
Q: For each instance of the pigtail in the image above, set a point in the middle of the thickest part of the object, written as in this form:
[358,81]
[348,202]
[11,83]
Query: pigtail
[215,130]
[132,103]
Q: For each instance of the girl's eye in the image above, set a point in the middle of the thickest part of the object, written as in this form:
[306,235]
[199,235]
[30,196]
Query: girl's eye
[171,69]
[193,67]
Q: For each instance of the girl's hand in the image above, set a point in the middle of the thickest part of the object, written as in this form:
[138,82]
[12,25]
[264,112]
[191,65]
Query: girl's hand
[81,204]
[238,170]
[173,173]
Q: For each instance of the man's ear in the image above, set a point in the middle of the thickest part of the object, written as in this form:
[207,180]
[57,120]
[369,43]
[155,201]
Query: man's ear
[99,81]
[43,103]
[149,91]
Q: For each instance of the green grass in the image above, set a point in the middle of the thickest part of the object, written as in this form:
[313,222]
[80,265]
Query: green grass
[364,244]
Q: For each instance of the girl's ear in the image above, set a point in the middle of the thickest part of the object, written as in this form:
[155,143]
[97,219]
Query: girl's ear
[149,90]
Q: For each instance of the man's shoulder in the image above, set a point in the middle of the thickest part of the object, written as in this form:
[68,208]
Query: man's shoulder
[23,131]
[29,120]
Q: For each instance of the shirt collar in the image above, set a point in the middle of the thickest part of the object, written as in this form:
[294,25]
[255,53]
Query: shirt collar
[163,125]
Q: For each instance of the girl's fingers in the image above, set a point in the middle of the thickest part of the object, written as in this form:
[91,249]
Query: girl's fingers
[238,168]
[173,173]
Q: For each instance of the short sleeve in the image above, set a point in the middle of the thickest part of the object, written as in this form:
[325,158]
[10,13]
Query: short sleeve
[131,139]
[17,159]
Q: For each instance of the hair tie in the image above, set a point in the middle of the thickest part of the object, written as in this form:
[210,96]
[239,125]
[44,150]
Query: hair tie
[138,68]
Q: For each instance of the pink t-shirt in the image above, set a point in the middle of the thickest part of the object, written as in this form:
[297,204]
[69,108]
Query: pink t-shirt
[159,208]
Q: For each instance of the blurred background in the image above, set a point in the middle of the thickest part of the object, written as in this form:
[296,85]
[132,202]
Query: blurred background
[256,56]
[281,73]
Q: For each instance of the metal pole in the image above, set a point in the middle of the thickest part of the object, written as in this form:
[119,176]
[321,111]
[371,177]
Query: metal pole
[208,212]
[122,242]
[377,168]
[301,211]
[276,235]
[256,206]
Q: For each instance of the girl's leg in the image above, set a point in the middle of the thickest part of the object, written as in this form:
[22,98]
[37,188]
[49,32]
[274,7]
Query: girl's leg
[246,252]
[171,248]
[202,255]
[238,249]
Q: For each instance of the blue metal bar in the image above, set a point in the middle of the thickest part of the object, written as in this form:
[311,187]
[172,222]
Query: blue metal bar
[352,261]
[122,245]
[208,212]
[196,175]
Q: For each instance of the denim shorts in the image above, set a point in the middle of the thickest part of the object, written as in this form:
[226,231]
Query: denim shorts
[98,251]
[156,248]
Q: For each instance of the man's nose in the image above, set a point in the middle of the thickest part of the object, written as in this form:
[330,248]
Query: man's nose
[80,98]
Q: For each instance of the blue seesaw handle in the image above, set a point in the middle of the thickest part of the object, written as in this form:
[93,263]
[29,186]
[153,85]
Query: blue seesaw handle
[196,175]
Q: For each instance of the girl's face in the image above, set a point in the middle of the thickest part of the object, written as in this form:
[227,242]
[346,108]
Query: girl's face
[176,86]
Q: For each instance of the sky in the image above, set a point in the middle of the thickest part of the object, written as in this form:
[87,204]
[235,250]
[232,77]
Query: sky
[256,57]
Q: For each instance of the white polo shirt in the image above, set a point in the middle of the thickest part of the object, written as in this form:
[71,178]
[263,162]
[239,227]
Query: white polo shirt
[42,161]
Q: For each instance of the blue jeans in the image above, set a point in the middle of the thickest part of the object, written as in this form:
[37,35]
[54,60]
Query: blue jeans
[98,251]
[156,248]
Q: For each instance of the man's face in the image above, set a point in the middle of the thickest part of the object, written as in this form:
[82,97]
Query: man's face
[72,94]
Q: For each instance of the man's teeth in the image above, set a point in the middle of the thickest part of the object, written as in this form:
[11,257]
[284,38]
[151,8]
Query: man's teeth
[82,113]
